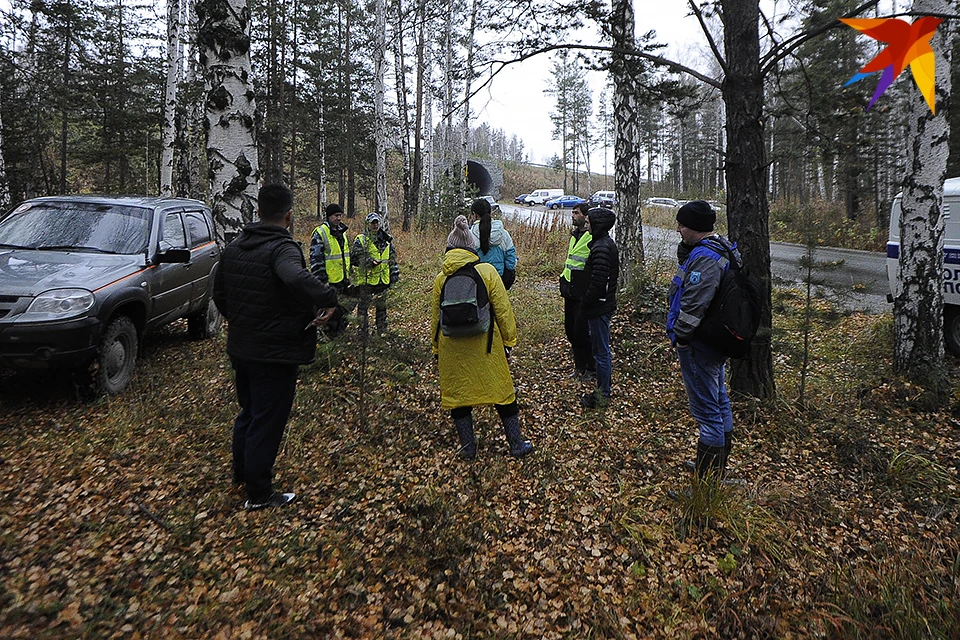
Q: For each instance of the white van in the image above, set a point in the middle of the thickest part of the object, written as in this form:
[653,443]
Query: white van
[951,260]
[540,196]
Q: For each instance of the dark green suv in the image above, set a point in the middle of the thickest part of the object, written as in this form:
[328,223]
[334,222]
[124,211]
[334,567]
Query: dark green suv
[83,278]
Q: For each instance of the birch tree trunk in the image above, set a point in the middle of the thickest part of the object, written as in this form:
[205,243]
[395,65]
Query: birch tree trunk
[170,99]
[321,152]
[426,91]
[747,208]
[629,229]
[403,111]
[4,183]
[416,182]
[467,84]
[64,110]
[918,303]
[224,41]
[347,66]
[190,137]
[379,124]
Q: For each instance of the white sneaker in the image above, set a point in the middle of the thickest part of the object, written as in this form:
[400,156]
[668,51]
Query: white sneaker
[276,500]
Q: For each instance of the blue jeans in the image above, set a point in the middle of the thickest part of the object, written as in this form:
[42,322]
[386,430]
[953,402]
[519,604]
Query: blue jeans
[703,375]
[600,342]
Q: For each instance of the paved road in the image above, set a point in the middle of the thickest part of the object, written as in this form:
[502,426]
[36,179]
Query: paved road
[857,280]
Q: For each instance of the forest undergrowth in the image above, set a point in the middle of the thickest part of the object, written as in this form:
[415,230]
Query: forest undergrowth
[118,518]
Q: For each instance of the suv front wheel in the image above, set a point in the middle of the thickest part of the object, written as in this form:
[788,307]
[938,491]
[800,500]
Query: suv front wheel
[112,368]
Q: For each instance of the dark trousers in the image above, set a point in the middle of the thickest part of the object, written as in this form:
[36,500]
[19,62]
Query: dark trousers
[378,295]
[503,410]
[265,393]
[578,335]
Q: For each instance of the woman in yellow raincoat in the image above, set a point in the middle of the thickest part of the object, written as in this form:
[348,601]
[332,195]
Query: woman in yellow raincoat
[471,373]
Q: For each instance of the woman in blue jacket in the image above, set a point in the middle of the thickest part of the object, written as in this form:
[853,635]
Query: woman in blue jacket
[494,244]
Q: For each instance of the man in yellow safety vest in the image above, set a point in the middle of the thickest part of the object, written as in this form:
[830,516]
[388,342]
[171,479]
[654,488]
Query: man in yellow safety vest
[329,254]
[375,271]
[572,286]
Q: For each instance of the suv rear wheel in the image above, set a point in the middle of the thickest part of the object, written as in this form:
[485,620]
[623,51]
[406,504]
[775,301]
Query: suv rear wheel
[206,323]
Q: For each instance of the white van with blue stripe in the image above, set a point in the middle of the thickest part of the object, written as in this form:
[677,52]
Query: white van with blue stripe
[951,260]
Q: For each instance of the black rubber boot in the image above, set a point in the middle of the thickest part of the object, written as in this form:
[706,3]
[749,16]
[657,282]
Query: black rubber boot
[519,447]
[468,442]
[708,460]
[727,446]
[691,465]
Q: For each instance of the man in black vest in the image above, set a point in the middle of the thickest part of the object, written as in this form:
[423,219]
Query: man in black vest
[273,305]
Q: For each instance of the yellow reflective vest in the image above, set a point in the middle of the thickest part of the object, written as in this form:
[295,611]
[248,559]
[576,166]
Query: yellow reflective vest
[374,273]
[337,258]
[577,253]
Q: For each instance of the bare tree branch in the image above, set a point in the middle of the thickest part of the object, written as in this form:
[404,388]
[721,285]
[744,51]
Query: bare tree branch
[706,32]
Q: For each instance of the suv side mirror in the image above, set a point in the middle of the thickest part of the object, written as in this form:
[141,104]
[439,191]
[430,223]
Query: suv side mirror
[173,255]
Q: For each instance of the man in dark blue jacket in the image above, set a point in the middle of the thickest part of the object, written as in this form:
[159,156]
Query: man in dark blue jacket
[273,305]
[599,300]
[702,261]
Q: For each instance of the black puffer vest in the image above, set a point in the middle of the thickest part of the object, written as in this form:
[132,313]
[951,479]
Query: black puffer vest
[265,320]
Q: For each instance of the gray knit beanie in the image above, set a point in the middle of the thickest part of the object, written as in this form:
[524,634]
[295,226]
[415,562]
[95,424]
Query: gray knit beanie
[460,237]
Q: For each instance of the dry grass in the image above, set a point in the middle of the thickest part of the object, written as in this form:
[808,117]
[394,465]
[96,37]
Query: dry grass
[118,519]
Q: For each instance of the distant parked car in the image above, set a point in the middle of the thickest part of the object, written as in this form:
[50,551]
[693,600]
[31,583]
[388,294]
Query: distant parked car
[664,203]
[606,199]
[564,202]
[494,205]
[521,199]
[82,278]
[717,206]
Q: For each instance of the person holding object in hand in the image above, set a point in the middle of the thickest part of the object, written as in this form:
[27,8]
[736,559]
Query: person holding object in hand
[375,270]
[273,305]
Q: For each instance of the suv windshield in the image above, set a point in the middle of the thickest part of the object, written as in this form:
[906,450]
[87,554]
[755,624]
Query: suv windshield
[83,226]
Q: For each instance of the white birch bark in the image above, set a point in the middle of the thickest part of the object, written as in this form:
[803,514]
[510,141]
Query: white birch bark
[321,151]
[447,141]
[4,185]
[170,98]
[232,160]
[428,133]
[467,85]
[626,156]
[379,96]
[918,302]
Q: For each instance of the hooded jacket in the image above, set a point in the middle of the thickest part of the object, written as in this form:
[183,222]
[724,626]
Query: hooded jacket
[470,376]
[263,289]
[502,254]
[602,269]
[701,267]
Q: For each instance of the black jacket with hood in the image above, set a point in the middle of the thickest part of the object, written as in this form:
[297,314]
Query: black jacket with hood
[264,290]
[603,267]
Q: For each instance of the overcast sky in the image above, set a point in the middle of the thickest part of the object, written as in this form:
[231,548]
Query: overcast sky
[515,101]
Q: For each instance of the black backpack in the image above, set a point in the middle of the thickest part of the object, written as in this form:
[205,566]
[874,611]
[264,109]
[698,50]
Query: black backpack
[465,308]
[733,317]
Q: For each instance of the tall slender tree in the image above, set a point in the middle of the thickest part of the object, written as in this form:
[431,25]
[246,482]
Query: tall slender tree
[224,42]
[173,63]
[918,303]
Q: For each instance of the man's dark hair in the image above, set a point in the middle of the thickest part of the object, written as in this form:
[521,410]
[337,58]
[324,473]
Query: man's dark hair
[583,207]
[273,202]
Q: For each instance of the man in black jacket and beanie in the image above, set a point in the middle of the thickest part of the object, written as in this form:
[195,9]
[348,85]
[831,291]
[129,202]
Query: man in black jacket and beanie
[599,301]
[273,305]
